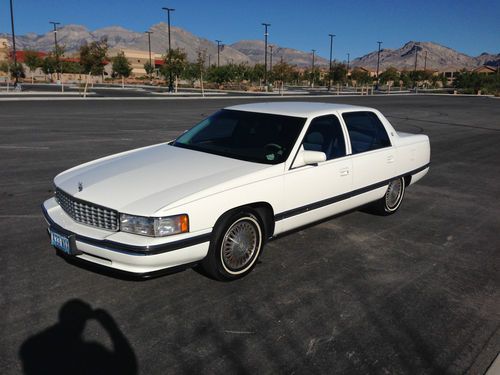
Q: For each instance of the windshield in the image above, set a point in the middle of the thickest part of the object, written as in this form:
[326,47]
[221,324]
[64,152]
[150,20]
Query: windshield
[257,137]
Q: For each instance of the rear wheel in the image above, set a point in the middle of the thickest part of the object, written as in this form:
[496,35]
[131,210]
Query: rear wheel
[392,199]
[235,247]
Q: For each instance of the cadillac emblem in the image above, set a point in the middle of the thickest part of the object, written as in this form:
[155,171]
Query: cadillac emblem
[80,186]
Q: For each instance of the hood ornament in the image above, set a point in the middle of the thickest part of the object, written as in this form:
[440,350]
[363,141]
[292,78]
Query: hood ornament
[80,186]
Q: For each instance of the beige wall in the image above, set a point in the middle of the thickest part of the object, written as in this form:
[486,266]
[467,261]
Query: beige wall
[137,59]
[4,49]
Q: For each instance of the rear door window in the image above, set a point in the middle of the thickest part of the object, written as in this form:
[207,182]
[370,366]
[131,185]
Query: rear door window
[366,132]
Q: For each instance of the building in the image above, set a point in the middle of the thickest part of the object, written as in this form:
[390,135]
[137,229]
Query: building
[486,69]
[4,49]
[372,73]
[137,59]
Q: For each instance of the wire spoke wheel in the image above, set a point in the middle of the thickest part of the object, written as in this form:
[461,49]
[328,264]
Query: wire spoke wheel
[394,194]
[239,245]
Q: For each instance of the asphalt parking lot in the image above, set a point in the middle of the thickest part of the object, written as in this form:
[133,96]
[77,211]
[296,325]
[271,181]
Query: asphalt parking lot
[416,292]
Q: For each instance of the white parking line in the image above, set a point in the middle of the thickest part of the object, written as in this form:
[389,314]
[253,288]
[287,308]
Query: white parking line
[15,147]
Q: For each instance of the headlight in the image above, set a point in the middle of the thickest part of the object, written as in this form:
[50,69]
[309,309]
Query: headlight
[154,226]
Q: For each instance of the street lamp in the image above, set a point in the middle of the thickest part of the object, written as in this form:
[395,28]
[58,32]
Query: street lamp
[271,58]
[415,69]
[425,61]
[218,52]
[330,70]
[347,70]
[170,84]
[14,43]
[378,60]
[266,25]
[56,49]
[150,61]
[312,72]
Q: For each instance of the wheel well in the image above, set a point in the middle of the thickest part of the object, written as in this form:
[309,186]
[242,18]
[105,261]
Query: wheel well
[265,212]
[407,180]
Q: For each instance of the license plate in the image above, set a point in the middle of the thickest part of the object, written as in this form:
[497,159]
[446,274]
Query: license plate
[61,242]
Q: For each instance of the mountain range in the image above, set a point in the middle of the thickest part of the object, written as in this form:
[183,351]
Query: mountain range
[429,55]
[250,51]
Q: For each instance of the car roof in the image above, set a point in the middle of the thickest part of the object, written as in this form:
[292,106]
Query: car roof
[296,109]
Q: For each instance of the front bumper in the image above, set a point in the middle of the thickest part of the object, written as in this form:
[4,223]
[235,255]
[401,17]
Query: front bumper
[124,251]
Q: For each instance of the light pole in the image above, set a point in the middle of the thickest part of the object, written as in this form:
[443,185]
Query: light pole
[347,70]
[151,67]
[266,25]
[170,84]
[218,52]
[425,61]
[56,49]
[330,69]
[271,58]
[312,70]
[415,68]
[378,60]
[14,44]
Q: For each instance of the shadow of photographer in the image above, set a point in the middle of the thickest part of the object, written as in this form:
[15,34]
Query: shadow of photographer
[61,349]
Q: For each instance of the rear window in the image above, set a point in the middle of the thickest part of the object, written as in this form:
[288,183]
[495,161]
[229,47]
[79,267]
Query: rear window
[366,132]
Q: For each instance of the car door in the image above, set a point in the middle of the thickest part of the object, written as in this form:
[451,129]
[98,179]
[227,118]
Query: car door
[311,192]
[373,157]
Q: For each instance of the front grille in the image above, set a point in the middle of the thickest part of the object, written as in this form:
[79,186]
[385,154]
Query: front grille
[88,213]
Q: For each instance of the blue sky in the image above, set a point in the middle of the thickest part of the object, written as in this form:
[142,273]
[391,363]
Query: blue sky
[471,27]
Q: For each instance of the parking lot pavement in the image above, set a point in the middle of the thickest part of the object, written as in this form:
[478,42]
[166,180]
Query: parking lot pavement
[416,292]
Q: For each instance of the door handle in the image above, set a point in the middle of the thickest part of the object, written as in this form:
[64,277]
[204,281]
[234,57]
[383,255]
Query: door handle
[390,159]
[344,171]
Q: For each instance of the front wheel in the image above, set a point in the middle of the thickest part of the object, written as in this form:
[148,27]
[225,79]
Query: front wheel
[392,199]
[235,247]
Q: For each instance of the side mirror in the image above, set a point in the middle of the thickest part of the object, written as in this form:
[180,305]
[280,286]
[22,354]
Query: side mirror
[305,157]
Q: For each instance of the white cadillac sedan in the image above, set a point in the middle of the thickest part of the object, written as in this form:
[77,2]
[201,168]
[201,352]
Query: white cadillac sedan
[218,192]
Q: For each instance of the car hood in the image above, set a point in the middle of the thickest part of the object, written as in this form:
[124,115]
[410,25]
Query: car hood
[143,181]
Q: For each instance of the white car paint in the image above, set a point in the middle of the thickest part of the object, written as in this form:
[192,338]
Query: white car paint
[164,180]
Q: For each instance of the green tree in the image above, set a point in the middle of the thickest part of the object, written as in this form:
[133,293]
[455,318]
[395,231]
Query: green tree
[238,73]
[434,80]
[4,66]
[200,62]
[296,76]
[175,61]
[49,64]
[191,72]
[362,77]
[149,68]
[391,74]
[406,78]
[121,67]
[219,74]
[339,73]
[470,82]
[58,52]
[17,70]
[32,61]
[283,72]
[444,80]
[312,76]
[71,67]
[93,59]
[256,73]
